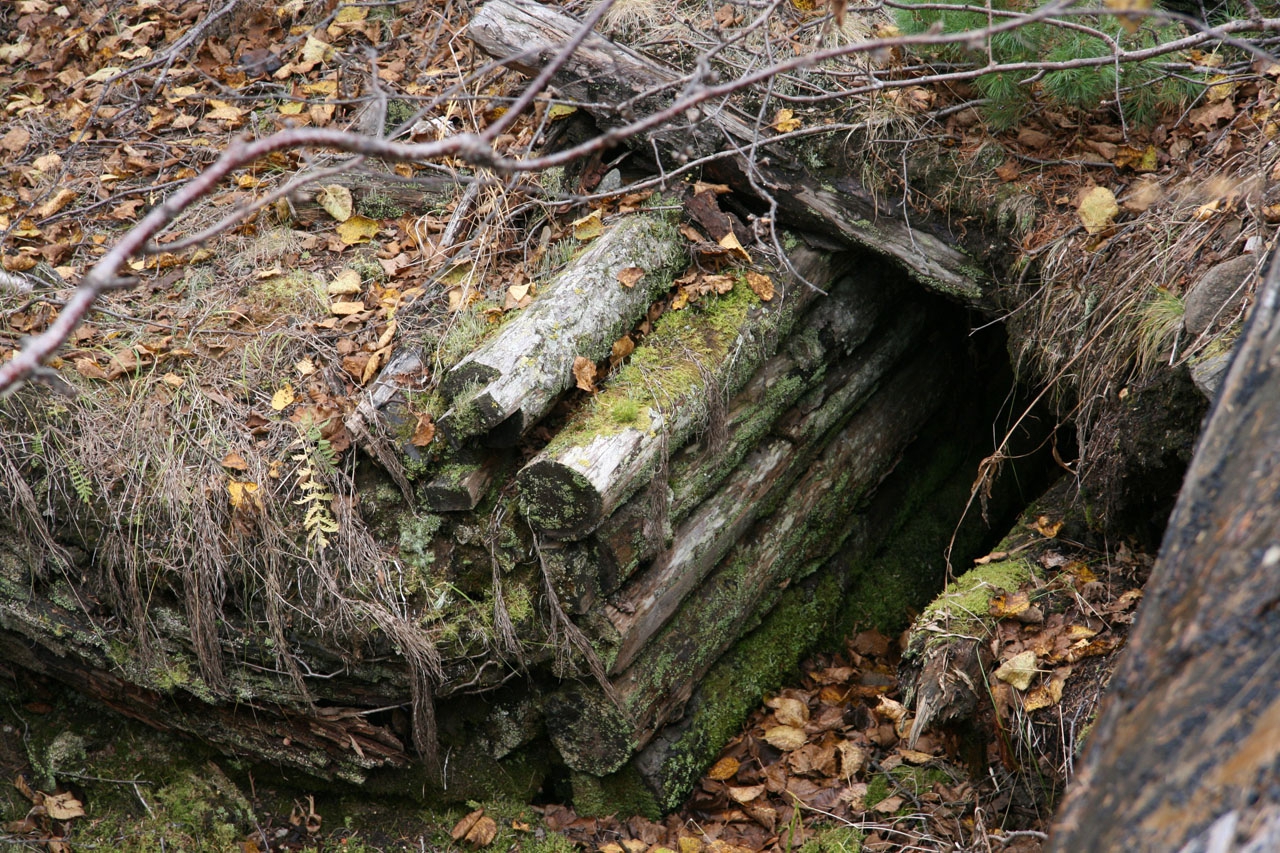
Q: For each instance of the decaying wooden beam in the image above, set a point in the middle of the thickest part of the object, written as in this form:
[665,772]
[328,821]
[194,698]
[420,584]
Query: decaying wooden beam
[515,377]
[603,73]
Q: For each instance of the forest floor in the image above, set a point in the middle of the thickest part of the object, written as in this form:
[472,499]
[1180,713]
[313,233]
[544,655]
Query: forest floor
[107,107]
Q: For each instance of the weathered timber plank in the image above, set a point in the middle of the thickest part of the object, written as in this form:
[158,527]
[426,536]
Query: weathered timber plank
[765,478]
[602,73]
[585,474]
[595,736]
[834,327]
[515,377]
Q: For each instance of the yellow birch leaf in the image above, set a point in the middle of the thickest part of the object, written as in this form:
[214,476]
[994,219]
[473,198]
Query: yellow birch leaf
[559,111]
[588,227]
[730,242]
[239,491]
[785,738]
[725,768]
[357,229]
[629,276]
[784,121]
[336,201]
[345,283]
[316,51]
[283,397]
[1097,210]
[1018,670]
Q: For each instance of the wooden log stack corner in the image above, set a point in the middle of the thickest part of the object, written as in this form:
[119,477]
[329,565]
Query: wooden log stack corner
[603,583]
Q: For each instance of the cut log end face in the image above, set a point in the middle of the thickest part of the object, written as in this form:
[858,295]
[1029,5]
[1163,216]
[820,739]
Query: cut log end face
[558,500]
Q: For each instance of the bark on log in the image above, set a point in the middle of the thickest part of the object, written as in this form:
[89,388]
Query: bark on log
[1185,754]
[514,378]
[604,73]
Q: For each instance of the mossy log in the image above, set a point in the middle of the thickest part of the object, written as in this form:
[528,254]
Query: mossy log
[529,35]
[514,377]
[1185,753]
[595,735]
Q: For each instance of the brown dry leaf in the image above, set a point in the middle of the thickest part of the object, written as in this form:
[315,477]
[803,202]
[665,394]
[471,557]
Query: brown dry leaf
[425,431]
[852,759]
[1097,210]
[761,284]
[915,756]
[235,462]
[482,833]
[788,711]
[462,827]
[718,189]
[745,794]
[630,276]
[1207,117]
[60,200]
[89,369]
[584,374]
[344,308]
[889,805]
[305,367]
[725,768]
[357,229]
[283,398]
[785,738]
[622,348]
[1018,670]
[345,283]
[1009,171]
[63,806]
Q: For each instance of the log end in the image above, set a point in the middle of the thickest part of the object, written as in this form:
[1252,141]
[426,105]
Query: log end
[559,500]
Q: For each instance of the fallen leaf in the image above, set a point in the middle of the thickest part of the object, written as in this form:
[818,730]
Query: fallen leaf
[345,283]
[889,805]
[1097,210]
[425,431]
[588,227]
[785,738]
[305,367]
[1018,670]
[784,121]
[584,374]
[788,711]
[483,833]
[462,827]
[239,491]
[761,284]
[346,308]
[357,229]
[730,242]
[745,794]
[235,462]
[630,276]
[1046,527]
[725,768]
[89,369]
[1008,605]
[283,398]
[63,806]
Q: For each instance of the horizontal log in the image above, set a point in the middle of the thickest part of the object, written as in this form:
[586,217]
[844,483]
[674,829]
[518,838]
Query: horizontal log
[592,734]
[670,385]
[832,329]
[765,479]
[602,73]
[515,376]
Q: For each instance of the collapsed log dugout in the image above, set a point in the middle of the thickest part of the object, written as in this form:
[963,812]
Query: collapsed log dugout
[724,496]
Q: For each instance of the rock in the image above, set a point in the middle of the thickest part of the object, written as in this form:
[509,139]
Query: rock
[1218,292]
[1207,374]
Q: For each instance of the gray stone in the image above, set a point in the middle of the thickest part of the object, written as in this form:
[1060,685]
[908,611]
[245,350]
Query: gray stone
[1207,374]
[1218,293]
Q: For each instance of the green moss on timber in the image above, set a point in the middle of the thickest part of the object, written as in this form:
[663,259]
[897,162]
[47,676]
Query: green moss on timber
[736,683]
[621,793]
[911,781]
[967,596]
[664,371]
